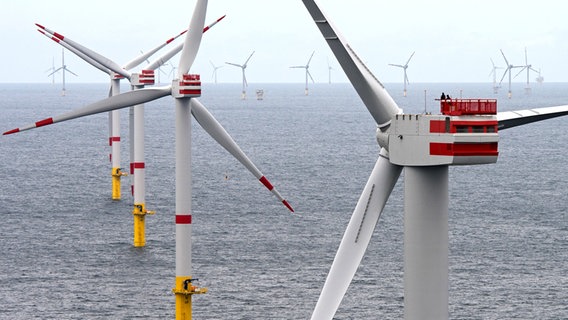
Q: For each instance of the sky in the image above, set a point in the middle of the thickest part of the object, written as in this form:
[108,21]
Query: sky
[454,40]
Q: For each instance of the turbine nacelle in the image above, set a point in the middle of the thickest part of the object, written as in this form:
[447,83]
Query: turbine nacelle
[143,78]
[188,86]
[464,134]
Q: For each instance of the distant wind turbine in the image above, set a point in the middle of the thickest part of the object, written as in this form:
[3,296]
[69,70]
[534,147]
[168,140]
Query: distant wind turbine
[214,76]
[63,69]
[508,70]
[494,73]
[243,67]
[529,68]
[404,67]
[307,66]
[329,68]
[540,78]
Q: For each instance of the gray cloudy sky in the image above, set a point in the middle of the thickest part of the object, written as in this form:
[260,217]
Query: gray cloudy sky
[453,40]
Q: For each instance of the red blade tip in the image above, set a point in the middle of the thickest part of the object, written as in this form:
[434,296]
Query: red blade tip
[11,131]
[288,205]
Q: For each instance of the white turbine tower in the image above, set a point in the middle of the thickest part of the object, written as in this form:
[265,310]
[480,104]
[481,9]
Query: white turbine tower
[63,69]
[243,67]
[307,67]
[494,74]
[184,90]
[508,71]
[404,67]
[424,145]
[214,75]
[529,68]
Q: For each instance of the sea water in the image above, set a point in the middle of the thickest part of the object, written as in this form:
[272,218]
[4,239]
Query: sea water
[66,248]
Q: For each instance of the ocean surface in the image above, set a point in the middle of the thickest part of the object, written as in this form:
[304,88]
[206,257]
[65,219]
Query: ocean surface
[66,248]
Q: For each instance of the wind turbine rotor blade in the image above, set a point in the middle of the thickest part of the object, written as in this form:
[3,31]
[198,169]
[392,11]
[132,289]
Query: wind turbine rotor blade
[510,119]
[298,67]
[357,236]
[166,57]
[310,59]
[407,61]
[396,65]
[520,71]
[234,64]
[217,132]
[192,38]
[506,61]
[73,73]
[375,97]
[54,71]
[123,100]
[76,52]
[245,78]
[310,75]
[504,74]
[245,64]
[90,53]
[144,56]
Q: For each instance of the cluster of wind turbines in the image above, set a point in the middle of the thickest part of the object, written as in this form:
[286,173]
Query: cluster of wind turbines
[508,69]
[426,207]
[184,89]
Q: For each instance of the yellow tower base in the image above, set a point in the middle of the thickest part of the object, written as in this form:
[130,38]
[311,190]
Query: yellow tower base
[116,175]
[184,290]
[139,212]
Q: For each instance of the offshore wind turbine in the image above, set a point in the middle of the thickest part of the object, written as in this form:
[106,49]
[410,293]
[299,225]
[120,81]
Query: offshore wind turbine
[404,67]
[508,71]
[424,145]
[307,67]
[63,69]
[494,74]
[136,116]
[243,67]
[184,90]
[529,68]
[329,68]
[214,75]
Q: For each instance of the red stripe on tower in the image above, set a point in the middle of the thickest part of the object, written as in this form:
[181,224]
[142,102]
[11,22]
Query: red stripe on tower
[183,219]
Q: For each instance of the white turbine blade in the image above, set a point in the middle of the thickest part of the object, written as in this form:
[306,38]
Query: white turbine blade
[396,65]
[510,119]
[234,64]
[166,57]
[504,74]
[90,53]
[217,132]
[73,73]
[410,58]
[377,100]
[357,237]
[310,59]
[54,71]
[144,56]
[310,75]
[522,69]
[298,67]
[245,64]
[127,99]
[76,52]
[192,38]
[506,61]
[245,78]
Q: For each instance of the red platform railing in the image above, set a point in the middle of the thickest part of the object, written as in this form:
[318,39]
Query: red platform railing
[458,107]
